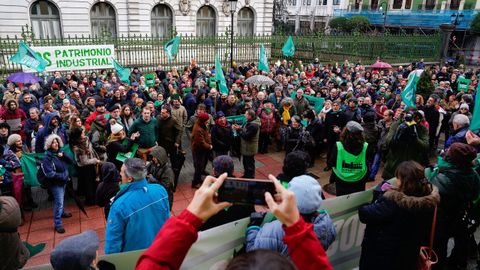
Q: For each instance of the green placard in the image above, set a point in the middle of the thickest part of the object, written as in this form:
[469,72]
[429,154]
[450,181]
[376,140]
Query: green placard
[133,150]
[149,80]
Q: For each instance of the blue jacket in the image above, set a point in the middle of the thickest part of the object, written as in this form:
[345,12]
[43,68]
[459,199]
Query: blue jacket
[55,168]
[47,130]
[457,136]
[271,235]
[137,214]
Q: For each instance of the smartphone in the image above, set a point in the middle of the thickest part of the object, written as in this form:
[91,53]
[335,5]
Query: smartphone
[245,191]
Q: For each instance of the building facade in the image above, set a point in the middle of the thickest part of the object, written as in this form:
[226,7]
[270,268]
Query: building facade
[307,16]
[55,19]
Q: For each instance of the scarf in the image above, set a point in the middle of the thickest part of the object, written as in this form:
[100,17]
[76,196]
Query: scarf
[286,114]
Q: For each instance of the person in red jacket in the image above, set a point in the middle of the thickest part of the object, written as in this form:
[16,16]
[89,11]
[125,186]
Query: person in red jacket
[179,233]
[99,110]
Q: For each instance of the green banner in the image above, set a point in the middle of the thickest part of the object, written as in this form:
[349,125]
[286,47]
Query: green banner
[220,78]
[475,123]
[237,119]
[289,48]
[463,84]
[130,154]
[315,102]
[263,60]
[123,73]
[29,58]
[409,93]
[171,48]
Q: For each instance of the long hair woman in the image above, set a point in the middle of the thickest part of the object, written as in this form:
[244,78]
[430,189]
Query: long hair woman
[87,161]
[350,170]
[398,220]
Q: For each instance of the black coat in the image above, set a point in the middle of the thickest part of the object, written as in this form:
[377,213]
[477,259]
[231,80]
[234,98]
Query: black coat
[222,138]
[397,225]
[333,119]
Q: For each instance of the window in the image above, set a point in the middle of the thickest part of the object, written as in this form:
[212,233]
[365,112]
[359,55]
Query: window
[325,2]
[306,2]
[206,21]
[162,21]
[430,4]
[337,2]
[408,4]
[102,16]
[293,2]
[397,4]
[374,5]
[45,20]
[454,4]
[245,22]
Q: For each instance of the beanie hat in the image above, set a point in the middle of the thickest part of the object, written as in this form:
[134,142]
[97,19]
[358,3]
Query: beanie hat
[461,154]
[308,193]
[114,107]
[223,164]
[13,138]
[203,117]
[99,104]
[464,106]
[116,128]
[219,114]
[75,252]
[354,127]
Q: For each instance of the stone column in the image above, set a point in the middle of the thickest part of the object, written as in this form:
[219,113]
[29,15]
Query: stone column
[447,29]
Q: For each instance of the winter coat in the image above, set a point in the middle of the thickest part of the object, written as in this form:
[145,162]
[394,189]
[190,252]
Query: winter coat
[148,132]
[296,139]
[249,135]
[371,134]
[180,114]
[397,225]
[140,207]
[47,130]
[267,121]
[201,139]
[86,112]
[315,129]
[108,187]
[190,103]
[85,156]
[301,105]
[397,153]
[222,138]
[169,132]
[432,115]
[161,172]
[333,119]
[55,168]
[14,254]
[271,235]
[115,147]
[231,110]
[9,115]
[456,136]
[352,115]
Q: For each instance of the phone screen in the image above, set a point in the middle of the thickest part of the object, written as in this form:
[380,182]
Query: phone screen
[245,191]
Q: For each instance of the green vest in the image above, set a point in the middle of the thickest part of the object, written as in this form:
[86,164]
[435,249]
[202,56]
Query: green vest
[350,168]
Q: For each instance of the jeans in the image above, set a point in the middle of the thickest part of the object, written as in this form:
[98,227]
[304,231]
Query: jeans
[58,193]
[248,167]
[375,165]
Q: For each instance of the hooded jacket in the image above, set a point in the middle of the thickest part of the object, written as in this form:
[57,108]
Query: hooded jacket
[397,225]
[47,130]
[161,172]
[14,254]
[271,235]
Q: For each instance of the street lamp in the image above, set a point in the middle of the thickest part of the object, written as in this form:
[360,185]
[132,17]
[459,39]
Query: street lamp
[233,7]
[384,14]
[456,19]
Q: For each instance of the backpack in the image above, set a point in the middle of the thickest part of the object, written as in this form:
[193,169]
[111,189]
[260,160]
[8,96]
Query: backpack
[405,133]
[42,178]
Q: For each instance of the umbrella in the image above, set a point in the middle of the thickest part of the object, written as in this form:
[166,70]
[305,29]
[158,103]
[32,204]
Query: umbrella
[381,65]
[23,77]
[260,80]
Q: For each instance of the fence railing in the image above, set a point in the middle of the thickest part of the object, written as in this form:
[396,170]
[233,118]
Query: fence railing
[147,52]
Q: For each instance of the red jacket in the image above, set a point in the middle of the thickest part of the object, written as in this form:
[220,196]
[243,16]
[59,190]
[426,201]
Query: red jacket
[179,234]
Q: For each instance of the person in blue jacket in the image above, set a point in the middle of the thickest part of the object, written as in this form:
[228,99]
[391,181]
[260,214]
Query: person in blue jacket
[309,199]
[52,125]
[138,211]
[54,168]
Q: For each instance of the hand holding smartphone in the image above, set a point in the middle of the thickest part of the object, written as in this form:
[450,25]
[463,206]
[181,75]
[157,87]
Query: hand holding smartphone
[245,191]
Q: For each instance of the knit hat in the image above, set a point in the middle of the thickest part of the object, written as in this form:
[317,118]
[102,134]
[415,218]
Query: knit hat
[114,107]
[116,128]
[13,138]
[308,193]
[99,104]
[464,106]
[49,141]
[203,117]
[461,154]
[354,127]
[219,114]
[75,252]
[223,164]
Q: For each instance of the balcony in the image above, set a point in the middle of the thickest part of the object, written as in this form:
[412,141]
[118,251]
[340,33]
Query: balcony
[411,19]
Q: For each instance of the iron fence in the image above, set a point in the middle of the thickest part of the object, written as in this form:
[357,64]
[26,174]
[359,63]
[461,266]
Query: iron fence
[147,52]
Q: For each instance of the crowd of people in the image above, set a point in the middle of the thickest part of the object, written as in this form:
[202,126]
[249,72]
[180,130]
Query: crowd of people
[121,146]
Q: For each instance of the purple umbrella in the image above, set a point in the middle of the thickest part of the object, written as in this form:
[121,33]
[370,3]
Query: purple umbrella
[22,77]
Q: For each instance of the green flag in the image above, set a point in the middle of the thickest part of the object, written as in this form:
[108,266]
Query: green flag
[315,102]
[475,123]
[409,93]
[220,78]
[123,73]
[149,80]
[237,119]
[463,84]
[263,60]
[289,48]
[27,57]
[171,48]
